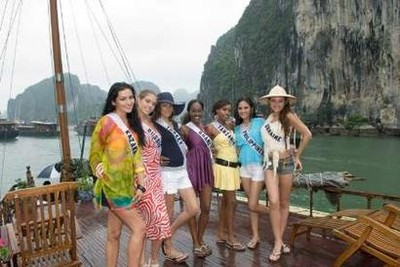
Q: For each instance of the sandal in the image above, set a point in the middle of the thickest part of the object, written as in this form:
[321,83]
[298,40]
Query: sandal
[285,249]
[199,252]
[221,242]
[253,244]
[177,257]
[237,246]
[275,256]
[207,249]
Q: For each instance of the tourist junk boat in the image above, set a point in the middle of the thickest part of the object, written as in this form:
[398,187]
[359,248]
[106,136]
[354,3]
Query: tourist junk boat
[90,247]
[38,129]
[8,130]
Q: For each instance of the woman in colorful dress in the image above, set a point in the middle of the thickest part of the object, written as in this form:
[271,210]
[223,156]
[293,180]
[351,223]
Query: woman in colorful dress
[226,172]
[152,204]
[199,167]
[173,169]
[280,162]
[116,160]
[251,149]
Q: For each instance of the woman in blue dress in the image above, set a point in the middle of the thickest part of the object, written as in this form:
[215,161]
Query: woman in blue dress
[250,148]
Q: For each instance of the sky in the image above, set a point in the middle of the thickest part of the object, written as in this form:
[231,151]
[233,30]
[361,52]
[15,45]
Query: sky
[165,41]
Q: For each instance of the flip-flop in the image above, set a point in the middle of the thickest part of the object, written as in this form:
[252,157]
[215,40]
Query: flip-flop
[275,256]
[199,252]
[285,249]
[253,244]
[178,258]
[235,246]
[207,249]
[221,242]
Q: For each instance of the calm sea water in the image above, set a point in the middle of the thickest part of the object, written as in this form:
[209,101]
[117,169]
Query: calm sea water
[35,152]
[374,158]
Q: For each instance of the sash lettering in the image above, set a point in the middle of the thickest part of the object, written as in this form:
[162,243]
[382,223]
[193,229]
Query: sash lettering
[225,132]
[250,141]
[131,139]
[176,135]
[272,134]
[153,134]
[206,139]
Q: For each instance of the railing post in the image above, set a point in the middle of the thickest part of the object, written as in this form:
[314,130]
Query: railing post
[369,200]
[311,194]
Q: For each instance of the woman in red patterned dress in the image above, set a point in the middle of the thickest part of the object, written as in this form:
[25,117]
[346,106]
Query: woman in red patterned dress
[152,203]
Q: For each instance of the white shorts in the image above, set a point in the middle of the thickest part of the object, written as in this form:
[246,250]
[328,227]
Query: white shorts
[175,179]
[254,172]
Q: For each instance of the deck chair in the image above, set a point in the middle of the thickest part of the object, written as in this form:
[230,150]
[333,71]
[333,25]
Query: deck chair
[377,234]
[326,223]
[43,225]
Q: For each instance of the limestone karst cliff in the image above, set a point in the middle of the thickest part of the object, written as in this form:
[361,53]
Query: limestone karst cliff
[340,58]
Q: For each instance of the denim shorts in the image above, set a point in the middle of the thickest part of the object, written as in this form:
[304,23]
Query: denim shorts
[285,166]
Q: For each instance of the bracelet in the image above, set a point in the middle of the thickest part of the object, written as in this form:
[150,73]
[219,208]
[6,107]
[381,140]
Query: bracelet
[141,188]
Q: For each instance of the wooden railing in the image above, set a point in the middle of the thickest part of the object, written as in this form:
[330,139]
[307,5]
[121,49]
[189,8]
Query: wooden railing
[339,192]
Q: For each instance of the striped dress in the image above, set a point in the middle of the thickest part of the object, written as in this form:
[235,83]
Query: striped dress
[152,204]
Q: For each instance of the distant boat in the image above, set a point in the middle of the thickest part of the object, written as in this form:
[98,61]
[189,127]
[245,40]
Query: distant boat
[86,127]
[8,130]
[38,128]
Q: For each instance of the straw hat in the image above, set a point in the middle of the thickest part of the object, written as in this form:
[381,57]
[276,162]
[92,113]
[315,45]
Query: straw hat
[277,91]
[166,97]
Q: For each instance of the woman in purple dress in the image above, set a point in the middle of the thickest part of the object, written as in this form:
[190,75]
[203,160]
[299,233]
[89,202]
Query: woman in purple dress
[199,167]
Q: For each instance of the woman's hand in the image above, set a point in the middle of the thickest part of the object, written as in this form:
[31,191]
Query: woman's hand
[99,170]
[164,161]
[298,165]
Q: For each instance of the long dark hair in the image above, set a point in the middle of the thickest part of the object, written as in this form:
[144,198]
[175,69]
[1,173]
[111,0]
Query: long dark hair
[133,118]
[186,117]
[250,102]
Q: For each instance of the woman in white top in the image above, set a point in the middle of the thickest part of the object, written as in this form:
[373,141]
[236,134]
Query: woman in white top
[280,161]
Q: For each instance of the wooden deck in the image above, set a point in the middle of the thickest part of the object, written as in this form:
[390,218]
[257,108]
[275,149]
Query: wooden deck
[316,252]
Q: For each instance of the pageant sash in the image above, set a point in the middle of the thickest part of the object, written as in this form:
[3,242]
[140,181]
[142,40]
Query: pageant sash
[250,141]
[176,135]
[225,132]
[131,139]
[206,139]
[153,134]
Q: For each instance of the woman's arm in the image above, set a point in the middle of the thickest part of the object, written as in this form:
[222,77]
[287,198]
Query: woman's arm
[306,136]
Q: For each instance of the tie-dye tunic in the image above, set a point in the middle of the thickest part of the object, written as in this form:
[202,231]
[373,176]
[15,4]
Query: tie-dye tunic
[109,145]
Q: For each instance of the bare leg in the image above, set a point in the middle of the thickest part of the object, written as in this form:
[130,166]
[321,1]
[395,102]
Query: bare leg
[274,209]
[193,228]
[221,222]
[134,221]
[205,205]
[229,213]
[247,186]
[155,250]
[114,226]
[285,188]
[190,211]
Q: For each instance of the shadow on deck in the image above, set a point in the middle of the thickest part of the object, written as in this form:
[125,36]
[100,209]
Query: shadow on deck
[316,252]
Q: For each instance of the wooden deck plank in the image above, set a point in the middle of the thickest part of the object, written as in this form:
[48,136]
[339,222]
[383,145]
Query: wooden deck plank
[316,252]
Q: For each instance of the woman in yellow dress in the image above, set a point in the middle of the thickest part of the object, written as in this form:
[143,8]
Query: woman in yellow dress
[226,172]
[116,160]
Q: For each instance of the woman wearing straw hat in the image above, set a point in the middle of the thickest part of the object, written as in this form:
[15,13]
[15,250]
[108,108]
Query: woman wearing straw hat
[173,169]
[279,160]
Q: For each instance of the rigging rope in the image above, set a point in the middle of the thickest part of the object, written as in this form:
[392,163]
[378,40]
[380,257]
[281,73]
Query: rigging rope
[89,15]
[131,75]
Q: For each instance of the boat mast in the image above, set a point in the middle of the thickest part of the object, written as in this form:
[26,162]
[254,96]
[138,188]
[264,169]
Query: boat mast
[60,93]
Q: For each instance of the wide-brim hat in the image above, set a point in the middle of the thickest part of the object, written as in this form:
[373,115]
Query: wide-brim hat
[277,91]
[166,97]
